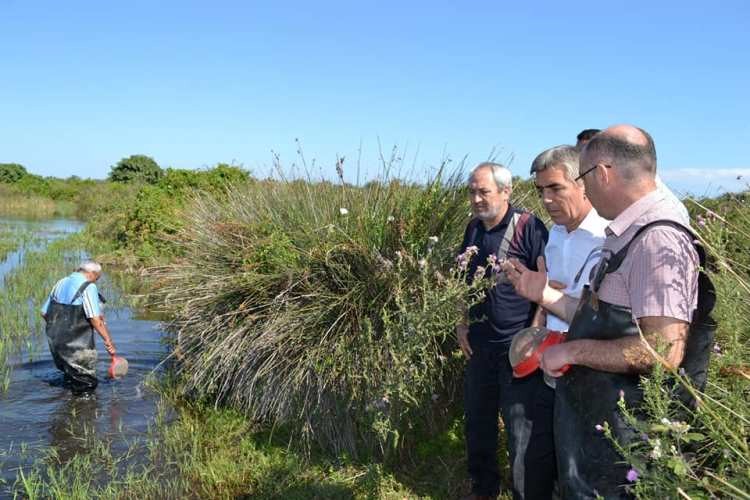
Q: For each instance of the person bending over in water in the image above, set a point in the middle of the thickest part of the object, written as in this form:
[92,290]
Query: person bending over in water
[73,311]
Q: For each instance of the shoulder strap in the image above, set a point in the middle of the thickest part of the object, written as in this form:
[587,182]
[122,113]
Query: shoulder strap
[510,232]
[616,260]
[80,291]
[706,289]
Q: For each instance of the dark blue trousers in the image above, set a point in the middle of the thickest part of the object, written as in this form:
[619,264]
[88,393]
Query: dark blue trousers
[526,405]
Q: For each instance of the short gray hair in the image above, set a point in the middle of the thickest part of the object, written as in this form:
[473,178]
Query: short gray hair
[560,156]
[501,174]
[89,266]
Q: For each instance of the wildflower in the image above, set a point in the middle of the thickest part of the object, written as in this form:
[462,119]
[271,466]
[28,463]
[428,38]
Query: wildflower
[433,239]
[464,258]
[622,395]
[343,211]
[494,263]
[435,397]
[717,349]
[391,218]
[599,427]
[656,451]
[701,220]
[632,475]
[479,273]
[422,263]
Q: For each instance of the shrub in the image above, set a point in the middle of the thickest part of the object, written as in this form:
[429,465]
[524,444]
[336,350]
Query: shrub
[11,172]
[136,168]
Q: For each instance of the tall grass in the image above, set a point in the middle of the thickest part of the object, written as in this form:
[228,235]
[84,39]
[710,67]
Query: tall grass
[19,204]
[326,307]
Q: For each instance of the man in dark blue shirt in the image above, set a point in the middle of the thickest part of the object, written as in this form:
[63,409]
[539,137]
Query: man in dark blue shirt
[526,404]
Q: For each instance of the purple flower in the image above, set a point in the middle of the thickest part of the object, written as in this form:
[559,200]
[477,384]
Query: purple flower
[599,427]
[632,475]
[464,259]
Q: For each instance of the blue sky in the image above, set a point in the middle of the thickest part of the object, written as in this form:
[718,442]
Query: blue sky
[195,83]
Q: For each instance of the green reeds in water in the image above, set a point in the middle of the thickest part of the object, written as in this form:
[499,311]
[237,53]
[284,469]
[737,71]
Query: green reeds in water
[23,292]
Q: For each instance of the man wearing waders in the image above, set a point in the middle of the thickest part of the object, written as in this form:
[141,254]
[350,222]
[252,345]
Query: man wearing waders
[72,312]
[649,280]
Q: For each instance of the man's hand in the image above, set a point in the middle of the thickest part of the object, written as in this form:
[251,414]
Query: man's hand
[555,358]
[462,335]
[528,284]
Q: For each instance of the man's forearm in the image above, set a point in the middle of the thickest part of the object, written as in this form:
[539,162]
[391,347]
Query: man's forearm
[623,355]
[561,305]
[101,329]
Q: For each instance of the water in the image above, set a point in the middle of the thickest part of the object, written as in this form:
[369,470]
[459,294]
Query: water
[44,231]
[38,415]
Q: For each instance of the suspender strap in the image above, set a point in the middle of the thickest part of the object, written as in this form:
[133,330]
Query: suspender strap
[616,260]
[706,290]
[80,291]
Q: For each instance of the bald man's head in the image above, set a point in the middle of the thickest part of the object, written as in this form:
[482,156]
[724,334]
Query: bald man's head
[630,149]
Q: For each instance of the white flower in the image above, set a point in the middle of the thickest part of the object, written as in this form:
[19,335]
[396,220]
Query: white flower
[656,452]
[422,263]
[433,239]
[343,211]
[391,218]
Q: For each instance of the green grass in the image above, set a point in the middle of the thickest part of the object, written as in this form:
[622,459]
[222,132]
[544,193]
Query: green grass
[197,451]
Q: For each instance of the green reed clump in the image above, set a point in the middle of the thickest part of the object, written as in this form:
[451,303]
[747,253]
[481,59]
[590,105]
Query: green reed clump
[329,308]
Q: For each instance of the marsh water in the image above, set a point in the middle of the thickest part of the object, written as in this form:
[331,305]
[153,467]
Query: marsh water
[39,417]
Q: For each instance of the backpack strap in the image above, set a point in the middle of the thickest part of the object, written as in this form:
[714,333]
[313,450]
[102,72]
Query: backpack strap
[515,226]
[510,233]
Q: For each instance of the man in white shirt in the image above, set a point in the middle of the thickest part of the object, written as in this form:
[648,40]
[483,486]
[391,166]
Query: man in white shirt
[586,135]
[576,238]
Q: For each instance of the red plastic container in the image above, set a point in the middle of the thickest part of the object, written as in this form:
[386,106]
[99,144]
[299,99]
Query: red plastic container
[528,346]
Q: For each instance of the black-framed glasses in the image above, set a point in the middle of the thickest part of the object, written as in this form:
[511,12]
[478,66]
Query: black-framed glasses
[589,170]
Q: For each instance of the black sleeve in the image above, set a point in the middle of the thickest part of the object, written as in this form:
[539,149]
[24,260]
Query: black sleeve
[535,238]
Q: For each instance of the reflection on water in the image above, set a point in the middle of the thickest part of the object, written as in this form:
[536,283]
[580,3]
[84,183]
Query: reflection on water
[37,412]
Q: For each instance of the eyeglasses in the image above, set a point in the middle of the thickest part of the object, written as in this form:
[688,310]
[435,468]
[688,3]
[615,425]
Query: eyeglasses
[589,170]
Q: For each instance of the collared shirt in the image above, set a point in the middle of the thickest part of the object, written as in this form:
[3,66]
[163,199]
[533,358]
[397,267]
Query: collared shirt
[570,256]
[503,312]
[65,289]
[677,206]
[659,276]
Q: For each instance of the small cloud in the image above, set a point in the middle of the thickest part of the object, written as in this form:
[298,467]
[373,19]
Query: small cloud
[679,174]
